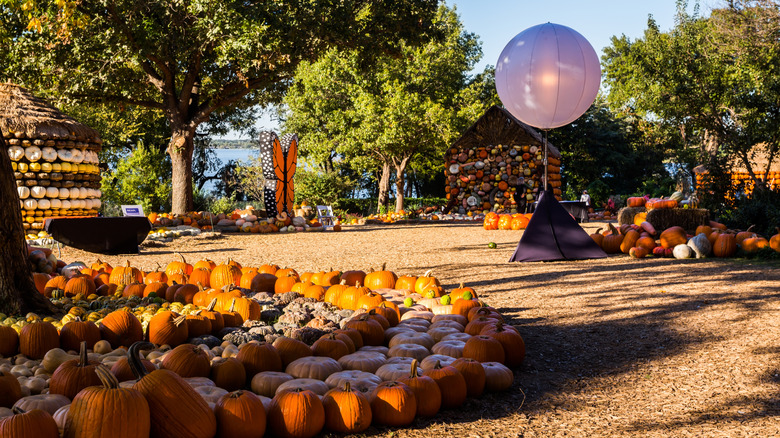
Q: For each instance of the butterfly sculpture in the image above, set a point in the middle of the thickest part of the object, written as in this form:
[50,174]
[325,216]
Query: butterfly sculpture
[278,158]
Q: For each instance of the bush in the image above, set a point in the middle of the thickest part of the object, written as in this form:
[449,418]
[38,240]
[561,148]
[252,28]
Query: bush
[367,206]
[143,177]
[320,188]
[762,209]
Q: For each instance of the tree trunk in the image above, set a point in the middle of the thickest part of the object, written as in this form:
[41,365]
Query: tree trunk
[400,169]
[180,150]
[384,186]
[18,294]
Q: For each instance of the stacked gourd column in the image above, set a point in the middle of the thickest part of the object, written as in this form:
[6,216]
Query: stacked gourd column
[55,175]
[485,177]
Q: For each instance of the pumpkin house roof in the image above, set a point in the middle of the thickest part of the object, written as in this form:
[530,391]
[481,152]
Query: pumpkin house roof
[23,115]
[499,126]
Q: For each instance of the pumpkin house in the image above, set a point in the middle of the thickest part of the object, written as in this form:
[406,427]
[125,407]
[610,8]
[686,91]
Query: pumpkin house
[495,158]
[54,158]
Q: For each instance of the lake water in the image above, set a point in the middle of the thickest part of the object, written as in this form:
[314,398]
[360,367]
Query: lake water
[226,155]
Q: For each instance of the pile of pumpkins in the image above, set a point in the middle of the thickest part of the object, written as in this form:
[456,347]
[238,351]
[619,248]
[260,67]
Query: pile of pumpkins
[239,221]
[495,221]
[713,239]
[409,350]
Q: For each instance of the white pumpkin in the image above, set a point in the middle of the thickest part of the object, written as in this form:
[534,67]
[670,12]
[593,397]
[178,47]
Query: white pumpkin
[700,245]
[64,193]
[52,192]
[65,204]
[73,193]
[83,192]
[56,203]
[77,155]
[32,153]
[99,193]
[49,154]
[96,203]
[682,251]
[24,192]
[44,204]
[16,153]
[30,204]
[38,192]
[65,154]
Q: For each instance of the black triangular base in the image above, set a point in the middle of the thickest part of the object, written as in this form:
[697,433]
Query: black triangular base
[552,234]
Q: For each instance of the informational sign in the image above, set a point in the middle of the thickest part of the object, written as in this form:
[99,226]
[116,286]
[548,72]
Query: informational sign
[325,216]
[132,210]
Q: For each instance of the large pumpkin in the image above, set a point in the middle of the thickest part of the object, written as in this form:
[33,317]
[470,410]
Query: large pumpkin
[112,410]
[673,236]
[347,410]
[296,413]
[240,414]
[36,339]
[393,404]
[611,242]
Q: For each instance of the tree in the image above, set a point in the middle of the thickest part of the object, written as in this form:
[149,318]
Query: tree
[18,294]
[192,61]
[712,79]
[386,115]
[603,146]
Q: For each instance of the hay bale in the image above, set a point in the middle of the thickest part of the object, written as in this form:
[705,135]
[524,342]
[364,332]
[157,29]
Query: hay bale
[626,214]
[689,219]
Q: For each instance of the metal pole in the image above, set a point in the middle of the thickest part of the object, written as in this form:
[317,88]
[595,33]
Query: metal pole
[545,159]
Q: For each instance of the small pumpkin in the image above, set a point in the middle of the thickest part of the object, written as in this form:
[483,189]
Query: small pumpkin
[74,375]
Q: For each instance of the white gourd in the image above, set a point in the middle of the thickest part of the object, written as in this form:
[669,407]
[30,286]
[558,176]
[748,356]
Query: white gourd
[56,203]
[46,167]
[30,204]
[16,153]
[77,156]
[74,193]
[65,154]
[24,192]
[83,192]
[52,192]
[44,204]
[49,154]
[38,192]
[65,204]
[682,251]
[700,245]
[32,153]
[97,204]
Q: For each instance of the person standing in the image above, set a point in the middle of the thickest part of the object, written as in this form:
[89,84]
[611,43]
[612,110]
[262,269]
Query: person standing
[585,198]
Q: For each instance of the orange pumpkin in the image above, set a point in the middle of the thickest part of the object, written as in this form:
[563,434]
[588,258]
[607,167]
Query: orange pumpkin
[673,236]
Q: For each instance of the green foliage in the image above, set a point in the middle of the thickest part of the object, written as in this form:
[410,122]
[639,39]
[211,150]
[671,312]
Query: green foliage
[657,186]
[709,85]
[320,188]
[248,178]
[223,205]
[599,192]
[141,177]
[374,120]
[762,210]
[196,62]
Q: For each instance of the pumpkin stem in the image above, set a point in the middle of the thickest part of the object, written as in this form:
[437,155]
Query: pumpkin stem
[17,410]
[438,365]
[200,286]
[427,273]
[181,256]
[344,282]
[413,374]
[236,394]
[232,306]
[211,305]
[462,285]
[83,359]
[347,386]
[384,265]
[357,284]
[107,378]
[134,359]
[179,320]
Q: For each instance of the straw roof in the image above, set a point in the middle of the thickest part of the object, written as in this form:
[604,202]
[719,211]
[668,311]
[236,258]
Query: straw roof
[23,115]
[499,126]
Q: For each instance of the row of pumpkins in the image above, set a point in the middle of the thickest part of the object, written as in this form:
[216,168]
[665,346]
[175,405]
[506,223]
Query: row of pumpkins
[714,239]
[378,369]
[247,221]
[495,221]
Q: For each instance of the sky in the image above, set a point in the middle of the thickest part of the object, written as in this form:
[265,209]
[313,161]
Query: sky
[498,21]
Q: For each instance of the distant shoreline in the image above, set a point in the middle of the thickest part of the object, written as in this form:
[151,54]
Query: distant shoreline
[232,144]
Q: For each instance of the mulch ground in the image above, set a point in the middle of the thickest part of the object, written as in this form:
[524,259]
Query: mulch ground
[616,347]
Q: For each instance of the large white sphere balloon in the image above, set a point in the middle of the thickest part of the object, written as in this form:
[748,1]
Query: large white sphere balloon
[548,75]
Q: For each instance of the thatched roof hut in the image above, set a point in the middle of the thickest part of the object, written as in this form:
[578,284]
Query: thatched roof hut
[498,164]
[24,116]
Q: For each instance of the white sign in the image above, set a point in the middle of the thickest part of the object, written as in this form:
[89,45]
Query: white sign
[132,210]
